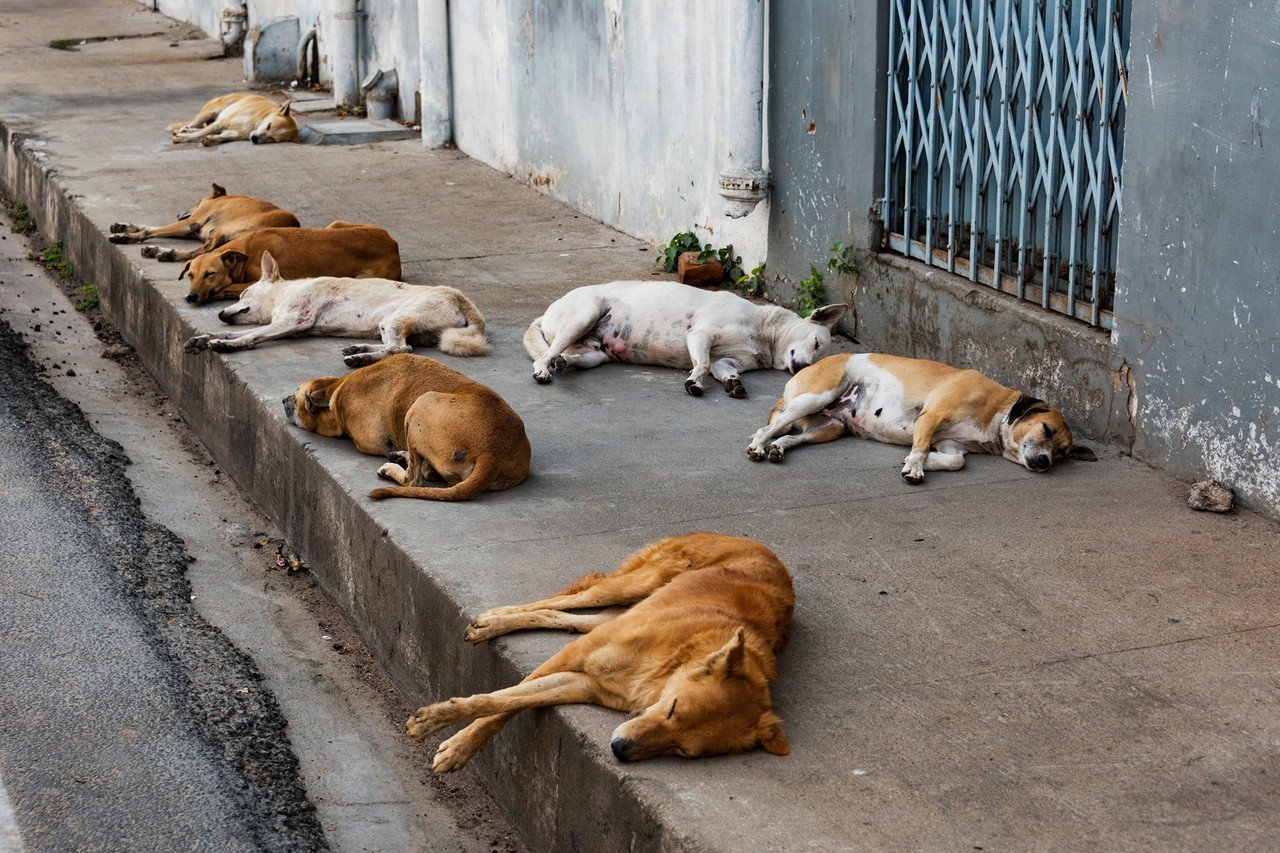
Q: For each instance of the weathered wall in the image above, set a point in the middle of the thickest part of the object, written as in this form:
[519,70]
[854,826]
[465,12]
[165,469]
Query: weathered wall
[616,108]
[1198,302]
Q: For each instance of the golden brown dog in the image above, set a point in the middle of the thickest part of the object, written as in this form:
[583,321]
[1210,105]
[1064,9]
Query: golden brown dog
[430,420]
[941,411]
[692,658]
[242,115]
[216,220]
[341,249]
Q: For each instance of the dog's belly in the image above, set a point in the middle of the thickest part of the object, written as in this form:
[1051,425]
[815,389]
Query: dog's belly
[651,341]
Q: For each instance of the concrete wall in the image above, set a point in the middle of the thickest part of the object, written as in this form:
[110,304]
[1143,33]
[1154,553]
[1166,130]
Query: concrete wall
[616,108]
[1198,307]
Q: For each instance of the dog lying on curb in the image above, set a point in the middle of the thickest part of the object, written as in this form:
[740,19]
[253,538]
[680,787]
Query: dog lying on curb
[218,219]
[341,249]
[242,115]
[399,313]
[693,658]
[941,411]
[669,324]
[431,421]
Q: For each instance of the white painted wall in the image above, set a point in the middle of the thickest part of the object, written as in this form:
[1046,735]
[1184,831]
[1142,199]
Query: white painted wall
[617,108]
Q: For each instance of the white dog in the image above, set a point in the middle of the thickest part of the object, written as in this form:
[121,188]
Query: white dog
[673,325]
[350,308]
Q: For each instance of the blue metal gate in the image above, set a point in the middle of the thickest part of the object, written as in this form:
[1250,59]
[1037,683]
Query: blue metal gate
[1004,141]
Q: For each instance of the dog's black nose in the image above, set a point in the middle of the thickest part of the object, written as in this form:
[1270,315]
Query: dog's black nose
[193,298]
[254,139]
[620,746]
[1040,463]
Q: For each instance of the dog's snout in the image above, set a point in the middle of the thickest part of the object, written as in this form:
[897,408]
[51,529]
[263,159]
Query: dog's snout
[193,298]
[254,138]
[227,315]
[1039,462]
[621,748]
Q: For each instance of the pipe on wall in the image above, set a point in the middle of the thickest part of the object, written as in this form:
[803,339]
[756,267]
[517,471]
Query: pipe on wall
[235,22]
[308,70]
[344,51]
[743,181]
[437,83]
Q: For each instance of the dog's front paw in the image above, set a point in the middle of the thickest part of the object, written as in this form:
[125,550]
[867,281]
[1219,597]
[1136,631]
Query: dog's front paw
[207,141]
[755,453]
[559,364]
[194,345]
[392,471]
[150,251]
[167,255]
[118,238]
[355,348]
[454,752]
[733,387]
[429,720]
[120,227]
[693,388]
[542,377]
[225,345]
[359,359]
[775,453]
[482,628]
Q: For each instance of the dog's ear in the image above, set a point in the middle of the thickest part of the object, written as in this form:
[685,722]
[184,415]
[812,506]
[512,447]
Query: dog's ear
[728,661]
[772,738]
[218,191]
[270,272]
[1079,451]
[186,268]
[1026,405]
[284,110]
[828,315]
[234,262]
[317,400]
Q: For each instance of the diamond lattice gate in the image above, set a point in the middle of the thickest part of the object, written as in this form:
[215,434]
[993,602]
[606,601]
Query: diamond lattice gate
[1004,142]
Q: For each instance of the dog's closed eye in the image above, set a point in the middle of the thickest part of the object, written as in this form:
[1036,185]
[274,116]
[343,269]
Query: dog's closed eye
[672,712]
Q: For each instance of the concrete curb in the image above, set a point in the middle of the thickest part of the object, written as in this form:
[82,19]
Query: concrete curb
[560,788]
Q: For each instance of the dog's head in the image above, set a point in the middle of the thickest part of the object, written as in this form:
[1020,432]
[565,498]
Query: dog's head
[1038,436]
[807,340]
[308,407]
[258,299]
[279,126]
[211,275]
[710,706]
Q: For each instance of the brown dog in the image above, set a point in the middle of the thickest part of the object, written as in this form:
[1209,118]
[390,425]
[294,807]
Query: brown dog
[242,115]
[693,658]
[430,420]
[341,249]
[217,219]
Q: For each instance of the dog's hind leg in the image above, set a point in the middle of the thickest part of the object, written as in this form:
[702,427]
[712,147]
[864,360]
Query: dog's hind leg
[121,233]
[945,456]
[816,429]
[567,336]
[699,343]
[487,627]
[799,406]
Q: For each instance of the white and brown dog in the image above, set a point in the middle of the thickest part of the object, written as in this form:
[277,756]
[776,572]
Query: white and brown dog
[242,115]
[669,324]
[398,313]
[941,411]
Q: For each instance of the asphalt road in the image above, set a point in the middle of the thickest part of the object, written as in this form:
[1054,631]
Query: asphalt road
[126,720]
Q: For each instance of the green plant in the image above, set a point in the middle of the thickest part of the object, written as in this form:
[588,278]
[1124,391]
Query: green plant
[65,44]
[87,297]
[752,283]
[53,260]
[23,221]
[669,253]
[811,293]
[842,259]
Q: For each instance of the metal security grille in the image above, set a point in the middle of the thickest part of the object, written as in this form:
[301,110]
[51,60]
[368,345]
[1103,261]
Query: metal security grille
[1004,141]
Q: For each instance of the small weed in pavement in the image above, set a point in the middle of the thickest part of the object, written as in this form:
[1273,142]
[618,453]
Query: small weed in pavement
[86,297]
[23,221]
[54,261]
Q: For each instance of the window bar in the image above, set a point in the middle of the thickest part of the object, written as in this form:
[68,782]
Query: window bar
[978,163]
[1030,157]
[931,212]
[890,147]
[1106,188]
[1078,193]
[1050,178]
[957,165]
[1003,193]
[909,141]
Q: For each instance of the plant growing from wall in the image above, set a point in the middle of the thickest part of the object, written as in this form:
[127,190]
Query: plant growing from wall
[53,260]
[811,291]
[752,283]
[669,253]
[86,297]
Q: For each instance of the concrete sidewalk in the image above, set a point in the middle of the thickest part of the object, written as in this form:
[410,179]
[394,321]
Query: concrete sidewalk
[993,660]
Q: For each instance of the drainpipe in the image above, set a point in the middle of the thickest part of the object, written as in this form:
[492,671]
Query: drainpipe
[743,181]
[344,51]
[437,87]
[235,21]
[308,58]
[381,88]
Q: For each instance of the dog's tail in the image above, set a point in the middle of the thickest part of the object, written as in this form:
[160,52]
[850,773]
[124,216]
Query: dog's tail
[177,125]
[469,339]
[535,343]
[481,477]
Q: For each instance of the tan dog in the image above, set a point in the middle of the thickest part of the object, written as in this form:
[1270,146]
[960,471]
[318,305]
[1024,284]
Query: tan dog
[243,115]
[402,315]
[432,421]
[941,411]
[693,657]
[340,249]
[218,219]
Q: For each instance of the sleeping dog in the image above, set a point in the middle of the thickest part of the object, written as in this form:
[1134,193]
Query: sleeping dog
[242,115]
[941,411]
[673,325]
